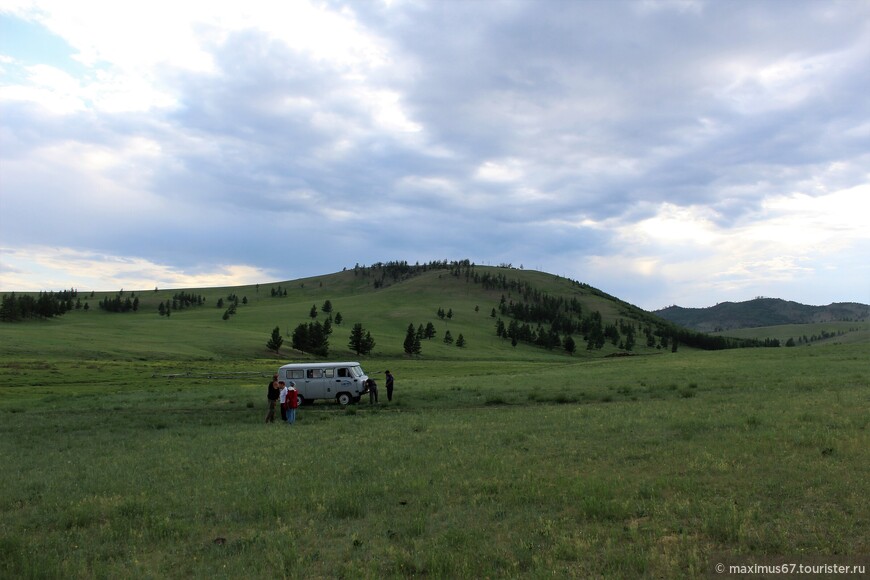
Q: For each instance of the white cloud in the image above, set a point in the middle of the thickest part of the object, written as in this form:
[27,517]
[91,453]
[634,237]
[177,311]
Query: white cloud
[60,268]
[503,171]
[795,237]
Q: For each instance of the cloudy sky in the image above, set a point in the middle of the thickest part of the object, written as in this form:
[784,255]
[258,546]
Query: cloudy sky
[668,152]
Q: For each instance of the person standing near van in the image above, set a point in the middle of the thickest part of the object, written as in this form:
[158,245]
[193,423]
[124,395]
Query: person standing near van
[373,391]
[282,400]
[292,403]
[272,394]
[390,381]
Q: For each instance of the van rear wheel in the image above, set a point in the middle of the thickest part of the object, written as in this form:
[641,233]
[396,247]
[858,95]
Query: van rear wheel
[301,400]
[344,399]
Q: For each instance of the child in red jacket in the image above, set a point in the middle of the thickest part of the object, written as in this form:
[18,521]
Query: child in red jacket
[292,400]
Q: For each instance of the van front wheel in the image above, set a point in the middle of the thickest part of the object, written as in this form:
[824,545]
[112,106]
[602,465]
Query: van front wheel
[344,399]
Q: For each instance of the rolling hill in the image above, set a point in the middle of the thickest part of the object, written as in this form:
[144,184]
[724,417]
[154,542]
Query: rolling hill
[540,309]
[761,312]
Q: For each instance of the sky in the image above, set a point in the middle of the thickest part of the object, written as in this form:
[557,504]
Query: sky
[683,152]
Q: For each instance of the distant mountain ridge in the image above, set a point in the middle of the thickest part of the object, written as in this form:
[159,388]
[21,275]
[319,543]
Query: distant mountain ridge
[761,312]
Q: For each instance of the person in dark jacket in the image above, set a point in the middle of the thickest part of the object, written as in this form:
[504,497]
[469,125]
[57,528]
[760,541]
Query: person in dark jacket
[272,395]
[373,391]
[390,381]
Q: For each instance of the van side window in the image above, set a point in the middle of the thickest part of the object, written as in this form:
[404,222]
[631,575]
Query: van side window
[328,373]
[315,373]
[295,374]
[342,372]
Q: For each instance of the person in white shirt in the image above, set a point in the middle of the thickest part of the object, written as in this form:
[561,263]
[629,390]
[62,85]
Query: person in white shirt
[282,398]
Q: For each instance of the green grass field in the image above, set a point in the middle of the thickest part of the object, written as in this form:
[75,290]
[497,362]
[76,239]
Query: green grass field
[134,446]
[838,332]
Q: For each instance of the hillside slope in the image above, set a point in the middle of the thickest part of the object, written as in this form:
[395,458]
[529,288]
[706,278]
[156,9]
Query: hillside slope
[537,308]
[761,312]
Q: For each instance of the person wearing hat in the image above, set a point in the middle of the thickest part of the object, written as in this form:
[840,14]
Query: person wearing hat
[272,394]
[292,400]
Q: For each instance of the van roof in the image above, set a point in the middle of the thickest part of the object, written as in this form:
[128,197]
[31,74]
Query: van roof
[321,364]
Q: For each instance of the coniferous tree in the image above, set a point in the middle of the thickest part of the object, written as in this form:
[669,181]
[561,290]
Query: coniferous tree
[361,341]
[368,343]
[569,345]
[318,339]
[300,338]
[460,341]
[448,338]
[338,318]
[275,341]
[629,339]
[412,341]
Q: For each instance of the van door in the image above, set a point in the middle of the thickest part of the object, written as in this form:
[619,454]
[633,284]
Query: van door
[315,385]
[344,381]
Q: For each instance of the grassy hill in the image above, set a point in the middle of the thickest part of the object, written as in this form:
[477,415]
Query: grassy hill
[761,312]
[385,301]
[835,332]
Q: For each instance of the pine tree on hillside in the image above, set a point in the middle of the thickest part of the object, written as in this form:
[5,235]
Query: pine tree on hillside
[569,345]
[300,338]
[275,341]
[318,339]
[412,341]
[361,341]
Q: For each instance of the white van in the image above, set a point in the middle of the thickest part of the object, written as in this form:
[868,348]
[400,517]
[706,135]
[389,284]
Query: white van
[343,381]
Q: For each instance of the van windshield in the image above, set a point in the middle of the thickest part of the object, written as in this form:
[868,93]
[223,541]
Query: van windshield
[356,371]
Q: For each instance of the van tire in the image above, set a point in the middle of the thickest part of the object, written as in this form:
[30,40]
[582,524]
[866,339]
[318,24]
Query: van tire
[344,399]
[301,400]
